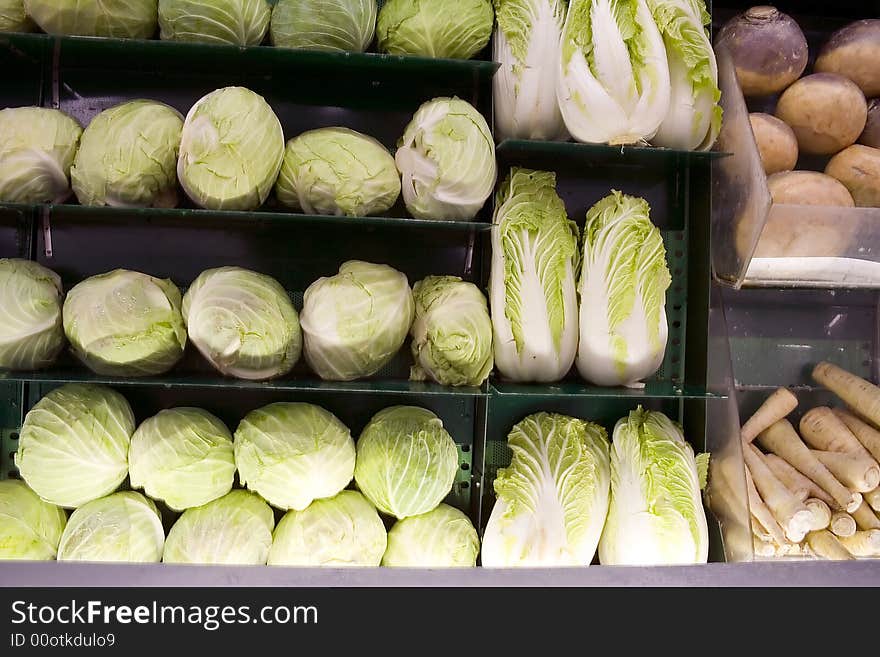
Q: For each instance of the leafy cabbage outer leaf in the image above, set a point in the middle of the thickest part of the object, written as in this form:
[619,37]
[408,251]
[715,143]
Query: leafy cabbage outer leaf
[127,156]
[447,160]
[13,17]
[339,531]
[243,323]
[356,321]
[694,118]
[329,25]
[37,147]
[73,445]
[31,335]
[293,453]
[124,323]
[553,498]
[656,515]
[453,29]
[236,22]
[406,461]
[231,150]
[613,85]
[122,19]
[441,538]
[337,171]
[235,529]
[30,529]
[451,333]
[532,291]
[527,44]
[123,527]
[182,456]
[623,326]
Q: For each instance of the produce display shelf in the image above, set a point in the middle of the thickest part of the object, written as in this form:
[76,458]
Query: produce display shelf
[599,154]
[651,390]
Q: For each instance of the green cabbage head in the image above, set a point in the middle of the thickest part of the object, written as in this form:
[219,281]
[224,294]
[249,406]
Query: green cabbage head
[356,321]
[451,333]
[124,323]
[293,453]
[73,444]
[406,461]
[243,323]
[31,335]
[235,529]
[30,528]
[337,171]
[441,538]
[339,531]
[13,17]
[331,25]
[37,147]
[447,160]
[230,151]
[183,456]
[454,29]
[123,19]
[234,22]
[127,157]
[122,527]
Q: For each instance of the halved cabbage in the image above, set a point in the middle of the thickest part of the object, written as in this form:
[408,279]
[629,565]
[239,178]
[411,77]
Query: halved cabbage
[73,444]
[127,156]
[183,456]
[243,323]
[31,335]
[124,323]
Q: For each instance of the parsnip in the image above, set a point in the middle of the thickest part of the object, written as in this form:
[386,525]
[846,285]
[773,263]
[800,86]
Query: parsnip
[867,435]
[796,481]
[860,395]
[820,511]
[781,439]
[822,429]
[759,511]
[824,544]
[865,517]
[775,407]
[863,543]
[873,499]
[794,518]
[842,524]
[855,472]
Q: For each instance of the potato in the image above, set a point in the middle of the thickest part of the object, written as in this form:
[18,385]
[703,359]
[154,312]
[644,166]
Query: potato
[858,168]
[854,51]
[808,188]
[826,111]
[768,48]
[871,133]
[776,142]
